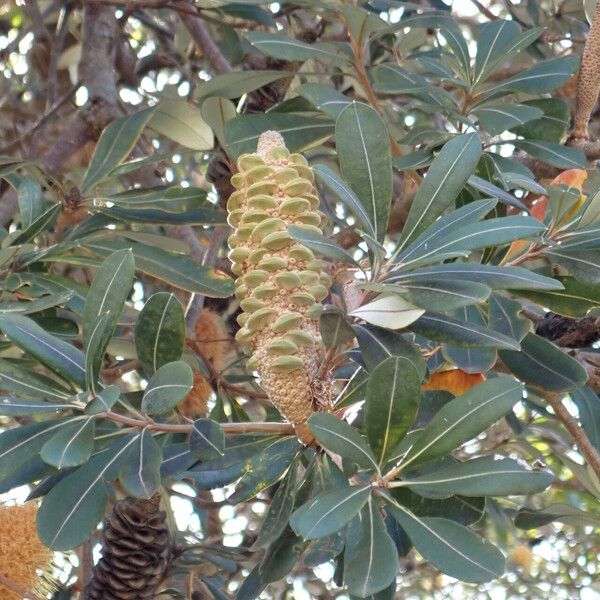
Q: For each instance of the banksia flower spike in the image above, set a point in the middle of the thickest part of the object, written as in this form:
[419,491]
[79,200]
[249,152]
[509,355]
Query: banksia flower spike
[280,282]
[23,557]
[588,83]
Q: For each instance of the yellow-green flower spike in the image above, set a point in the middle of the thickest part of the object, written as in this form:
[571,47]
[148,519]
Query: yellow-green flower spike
[280,281]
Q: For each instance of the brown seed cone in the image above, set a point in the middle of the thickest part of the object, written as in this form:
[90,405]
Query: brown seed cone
[135,552]
[588,83]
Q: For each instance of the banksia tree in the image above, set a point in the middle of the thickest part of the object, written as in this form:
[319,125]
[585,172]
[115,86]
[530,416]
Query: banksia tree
[280,281]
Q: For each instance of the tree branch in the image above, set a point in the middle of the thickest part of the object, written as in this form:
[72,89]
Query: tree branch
[582,441]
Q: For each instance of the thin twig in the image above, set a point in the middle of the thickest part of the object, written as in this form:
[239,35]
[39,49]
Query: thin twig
[579,435]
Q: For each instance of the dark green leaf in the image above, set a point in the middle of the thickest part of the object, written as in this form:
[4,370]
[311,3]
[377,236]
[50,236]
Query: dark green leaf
[464,418]
[160,332]
[530,518]
[325,98]
[281,556]
[551,126]
[182,122]
[97,342]
[343,439]
[329,512]
[484,476]
[449,546]
[498,118]
[364,154]
[393,394]
[41,223]
[34,306]
[20,380]
[374,561]
[18,407]
[542,364]
[140,473]
[72,445]
[207,440]
[504,317]
[236,84]
[167,388]
[554,154]
[588,406]
[31,201]
[62,358]
[335,329]
[445,178]
[104,400]
[495,39]
[114,145]
[320,244]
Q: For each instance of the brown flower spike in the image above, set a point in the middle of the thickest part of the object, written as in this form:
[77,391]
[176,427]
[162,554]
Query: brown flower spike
[22,555]
[280,282]
[588,83]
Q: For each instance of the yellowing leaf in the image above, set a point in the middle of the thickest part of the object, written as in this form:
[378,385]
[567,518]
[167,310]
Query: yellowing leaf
[391,312]
[454,381]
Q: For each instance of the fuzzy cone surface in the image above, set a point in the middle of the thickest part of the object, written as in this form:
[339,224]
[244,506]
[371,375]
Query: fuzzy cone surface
[280,282]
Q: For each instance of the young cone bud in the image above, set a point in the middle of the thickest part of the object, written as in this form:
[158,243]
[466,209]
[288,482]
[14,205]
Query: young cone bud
[278,288]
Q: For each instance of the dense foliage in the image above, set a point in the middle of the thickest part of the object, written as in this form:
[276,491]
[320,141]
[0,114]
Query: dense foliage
[451,277]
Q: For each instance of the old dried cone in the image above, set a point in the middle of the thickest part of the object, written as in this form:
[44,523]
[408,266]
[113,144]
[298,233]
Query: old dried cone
[280,282]
[135,552]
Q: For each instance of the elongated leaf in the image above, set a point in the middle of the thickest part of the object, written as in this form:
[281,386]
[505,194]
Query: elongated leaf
[374,561]
[442,227]
[114,145]
[498,278]
[364,154]
[450,547]
[236,84]
[463,418]
[207,440]
[489,189]
[343,439]
[498,118]
[335,329]
[19,407]
[140,473]
[588,405]
[390,311]
[329,512]
[31,201]
[72,509]
[99,338]
[339,187]
[108,292]
[41,223]
[443,328]
[504,317]
[446,177]
[495,39]
[545,76]
[376,345]
[265,468]
[283,47]
[320,244]
[59,356]
[542,364]
[556,155]
[160,332]
[19,380]
[393,394]
[281,557]
[551,126]
[183,123]
[179,271]
[298,131]
[529,518]
[325,98]
[280,509]
[483,477]
[33,306]
[104,400]
[72,445]
[167,388]
[170,199]
[196,216]
[21,444]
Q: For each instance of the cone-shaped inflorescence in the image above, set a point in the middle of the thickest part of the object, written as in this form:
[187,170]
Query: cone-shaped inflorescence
[135,552]
[280,282]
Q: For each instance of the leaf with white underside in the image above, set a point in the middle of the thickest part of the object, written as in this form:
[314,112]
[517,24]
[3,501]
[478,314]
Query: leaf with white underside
[74,506]
[463,418]
[392,402]
[449,546]
[392,312]
[445,178]
[374,560]
[72,445]
[343,439]
[484,476]
[364,154]
[329,512]
[140,474]
[167,388]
